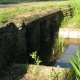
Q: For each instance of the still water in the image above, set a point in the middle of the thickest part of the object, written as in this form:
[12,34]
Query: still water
[56,55]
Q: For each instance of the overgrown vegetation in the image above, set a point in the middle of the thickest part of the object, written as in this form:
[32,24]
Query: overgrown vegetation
[73,21]
[76,64]
[37,61]
[7,14]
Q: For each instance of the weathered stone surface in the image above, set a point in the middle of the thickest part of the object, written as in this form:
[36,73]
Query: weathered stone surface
[45,30]
[33,37]
[21,44]
[41,15]
[8,43]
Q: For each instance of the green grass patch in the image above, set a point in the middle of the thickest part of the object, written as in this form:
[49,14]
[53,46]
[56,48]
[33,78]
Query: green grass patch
[76,14]
[8,13]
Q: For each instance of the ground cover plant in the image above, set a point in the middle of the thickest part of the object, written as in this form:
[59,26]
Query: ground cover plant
[7,14]
[76,64]
[73,21]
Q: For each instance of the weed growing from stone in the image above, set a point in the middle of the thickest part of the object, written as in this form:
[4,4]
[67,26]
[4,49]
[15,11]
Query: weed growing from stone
[37,61]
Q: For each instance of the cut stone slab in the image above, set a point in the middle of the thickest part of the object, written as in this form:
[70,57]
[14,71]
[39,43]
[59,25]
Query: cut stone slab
[63,60]
[69,32]
[64,32]
[73,34]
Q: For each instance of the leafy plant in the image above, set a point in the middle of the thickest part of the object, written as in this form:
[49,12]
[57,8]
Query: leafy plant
[37,61]
[75,62]
[53,76]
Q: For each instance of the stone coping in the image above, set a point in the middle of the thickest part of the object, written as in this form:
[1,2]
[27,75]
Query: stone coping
[69,32]
[34,16]
[37,15]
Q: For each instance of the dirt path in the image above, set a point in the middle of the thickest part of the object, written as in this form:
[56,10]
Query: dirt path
[25,4]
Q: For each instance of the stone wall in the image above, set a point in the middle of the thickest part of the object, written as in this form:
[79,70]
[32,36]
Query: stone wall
[27,33]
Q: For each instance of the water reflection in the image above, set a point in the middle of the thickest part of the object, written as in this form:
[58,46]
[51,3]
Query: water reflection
[51,54]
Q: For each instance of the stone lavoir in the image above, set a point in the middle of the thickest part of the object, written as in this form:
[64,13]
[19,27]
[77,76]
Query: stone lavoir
[28,33]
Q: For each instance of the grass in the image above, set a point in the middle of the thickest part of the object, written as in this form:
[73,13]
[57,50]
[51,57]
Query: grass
[76,15]
[7,14]
[37,61]
[76,64]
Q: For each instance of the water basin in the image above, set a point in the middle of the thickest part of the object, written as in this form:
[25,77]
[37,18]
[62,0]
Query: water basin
[63,60]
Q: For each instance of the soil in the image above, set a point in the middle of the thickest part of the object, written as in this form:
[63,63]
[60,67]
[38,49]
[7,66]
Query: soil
[34,72]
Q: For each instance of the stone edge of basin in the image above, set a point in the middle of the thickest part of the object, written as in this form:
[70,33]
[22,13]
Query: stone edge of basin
[69,32]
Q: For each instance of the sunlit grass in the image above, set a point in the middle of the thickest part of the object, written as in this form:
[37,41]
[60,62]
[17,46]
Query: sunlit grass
[76,13]
[8,13]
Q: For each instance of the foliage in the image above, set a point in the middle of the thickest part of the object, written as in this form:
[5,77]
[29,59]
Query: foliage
[57,41]
[37,61]
[76,13]
[8,14]
[76,64]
